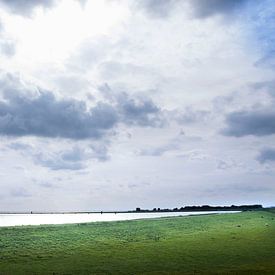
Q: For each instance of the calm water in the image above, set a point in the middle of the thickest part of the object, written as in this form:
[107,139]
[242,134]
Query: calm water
[37,219]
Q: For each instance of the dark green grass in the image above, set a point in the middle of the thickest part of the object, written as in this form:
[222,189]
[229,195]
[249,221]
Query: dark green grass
[241,243]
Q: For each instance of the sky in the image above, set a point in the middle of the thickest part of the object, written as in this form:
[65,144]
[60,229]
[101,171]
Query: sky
[118,104]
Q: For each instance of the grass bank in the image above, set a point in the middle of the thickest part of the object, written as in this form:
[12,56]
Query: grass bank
[241,243]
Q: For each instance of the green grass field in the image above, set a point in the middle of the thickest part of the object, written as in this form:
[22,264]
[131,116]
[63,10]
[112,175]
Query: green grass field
[240,243]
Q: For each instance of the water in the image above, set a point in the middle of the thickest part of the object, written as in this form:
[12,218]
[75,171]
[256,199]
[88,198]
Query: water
[38,219]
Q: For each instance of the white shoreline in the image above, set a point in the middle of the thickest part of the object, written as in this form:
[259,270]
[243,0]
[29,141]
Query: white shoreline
[7,220]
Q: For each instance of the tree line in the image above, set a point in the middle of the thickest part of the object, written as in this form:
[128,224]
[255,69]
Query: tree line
[202,208]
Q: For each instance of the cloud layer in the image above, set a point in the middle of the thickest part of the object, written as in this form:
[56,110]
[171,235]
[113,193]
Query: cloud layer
[244,123]
[266,155]
[46,116]
[104,103]
[42,114]
[206,8]
[25,7]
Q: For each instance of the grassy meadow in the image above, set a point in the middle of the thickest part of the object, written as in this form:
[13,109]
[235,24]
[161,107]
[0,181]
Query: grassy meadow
[239,243]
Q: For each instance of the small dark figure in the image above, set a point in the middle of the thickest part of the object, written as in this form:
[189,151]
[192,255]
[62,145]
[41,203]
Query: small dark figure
[101,212]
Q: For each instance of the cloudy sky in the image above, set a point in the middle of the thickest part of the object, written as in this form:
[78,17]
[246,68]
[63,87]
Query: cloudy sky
[119,104]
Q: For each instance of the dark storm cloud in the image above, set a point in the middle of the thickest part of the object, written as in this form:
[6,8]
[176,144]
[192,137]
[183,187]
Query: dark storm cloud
[257,123]
[134,110]
[46,116]
[207,8]
[266,155]
[157,8]
[25,7]
[139,111]
[29,111]
[200,8]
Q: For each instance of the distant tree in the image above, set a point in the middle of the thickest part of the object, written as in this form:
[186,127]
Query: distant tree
[138,209]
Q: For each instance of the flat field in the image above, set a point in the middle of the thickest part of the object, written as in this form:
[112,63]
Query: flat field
[239,243]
